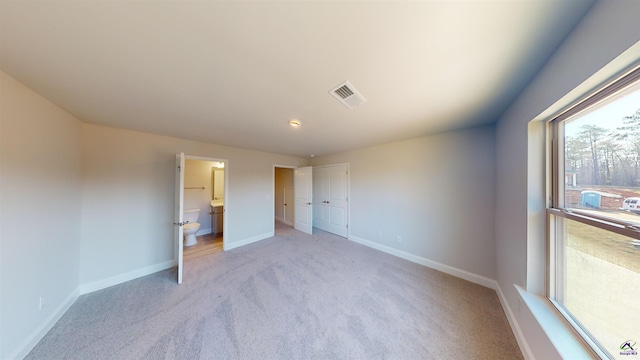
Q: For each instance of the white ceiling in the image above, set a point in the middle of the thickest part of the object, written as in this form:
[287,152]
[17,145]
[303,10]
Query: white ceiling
[235,73]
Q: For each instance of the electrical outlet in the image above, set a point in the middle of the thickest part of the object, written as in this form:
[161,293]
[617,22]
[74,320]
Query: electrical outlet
[379,233]
[41,304]
[398,238]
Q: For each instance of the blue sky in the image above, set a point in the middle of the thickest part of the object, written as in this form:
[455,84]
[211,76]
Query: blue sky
[608,116]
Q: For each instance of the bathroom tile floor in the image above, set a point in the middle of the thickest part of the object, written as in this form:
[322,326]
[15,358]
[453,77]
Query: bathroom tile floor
[207,244]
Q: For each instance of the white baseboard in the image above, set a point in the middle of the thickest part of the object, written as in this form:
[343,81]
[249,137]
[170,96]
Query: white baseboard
[564,339]
[474,278]
[515,327]
[279,219]
[118,279]
[32,340]
[235,244]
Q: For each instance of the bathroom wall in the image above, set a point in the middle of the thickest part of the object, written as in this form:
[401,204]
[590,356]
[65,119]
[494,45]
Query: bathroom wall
[128,200]
[283,178]
[218,184]
[40,182]
[197,174]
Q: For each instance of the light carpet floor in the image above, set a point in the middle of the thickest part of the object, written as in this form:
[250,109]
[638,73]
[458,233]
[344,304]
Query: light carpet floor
[292,296]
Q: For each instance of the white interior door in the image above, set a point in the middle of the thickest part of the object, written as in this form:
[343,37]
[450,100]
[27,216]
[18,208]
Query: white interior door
[319,196]
[337,199]
[303,194]
[330,194]
[179,201]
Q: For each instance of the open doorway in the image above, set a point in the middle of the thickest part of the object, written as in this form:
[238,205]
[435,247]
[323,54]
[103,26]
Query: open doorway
[294,183]
[203,203]
[284,202]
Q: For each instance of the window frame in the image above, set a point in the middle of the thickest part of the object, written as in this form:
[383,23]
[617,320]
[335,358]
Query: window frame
[556,212]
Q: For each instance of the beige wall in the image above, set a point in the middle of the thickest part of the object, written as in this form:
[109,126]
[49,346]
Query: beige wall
[128,200]
[197,173]
[441,198]
[40,172]
[606,31]
[218,184]
[436,192]
[283,178]
[85,206]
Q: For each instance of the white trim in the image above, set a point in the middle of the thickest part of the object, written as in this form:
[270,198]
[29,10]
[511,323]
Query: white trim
[205,158]
[474,278]
[32,340]
[515,326]
[567,343]
[248,241]
[330,165]
[118,279]
[281,220]
[463,274]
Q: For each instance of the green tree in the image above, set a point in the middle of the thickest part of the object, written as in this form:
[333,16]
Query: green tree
[593,135]
[576,156]
[630,133]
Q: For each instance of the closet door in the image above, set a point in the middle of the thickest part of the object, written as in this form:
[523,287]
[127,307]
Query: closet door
[337,203]
[331,187]
[319,196]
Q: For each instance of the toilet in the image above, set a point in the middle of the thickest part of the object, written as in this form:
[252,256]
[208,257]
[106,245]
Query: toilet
[191,226]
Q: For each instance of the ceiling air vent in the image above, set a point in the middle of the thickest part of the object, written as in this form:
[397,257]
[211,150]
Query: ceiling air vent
[348,95]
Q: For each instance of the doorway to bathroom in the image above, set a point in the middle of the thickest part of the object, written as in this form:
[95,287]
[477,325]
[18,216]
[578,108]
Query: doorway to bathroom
[201,200]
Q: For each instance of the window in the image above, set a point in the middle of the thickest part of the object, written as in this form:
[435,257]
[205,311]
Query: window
[594,228]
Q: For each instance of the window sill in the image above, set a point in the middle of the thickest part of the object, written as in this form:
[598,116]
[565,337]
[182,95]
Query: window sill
[565,340]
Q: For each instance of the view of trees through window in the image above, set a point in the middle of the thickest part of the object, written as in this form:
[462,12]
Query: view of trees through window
[602,157]
[596,271]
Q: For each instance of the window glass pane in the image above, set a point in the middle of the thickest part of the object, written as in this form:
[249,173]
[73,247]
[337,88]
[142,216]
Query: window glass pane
[602,160]
[601,283]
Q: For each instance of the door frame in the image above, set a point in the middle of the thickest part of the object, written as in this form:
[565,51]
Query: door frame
[178,216]
[273,193]
[179,256]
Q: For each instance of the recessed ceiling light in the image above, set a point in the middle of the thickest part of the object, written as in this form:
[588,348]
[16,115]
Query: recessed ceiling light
[294,123]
